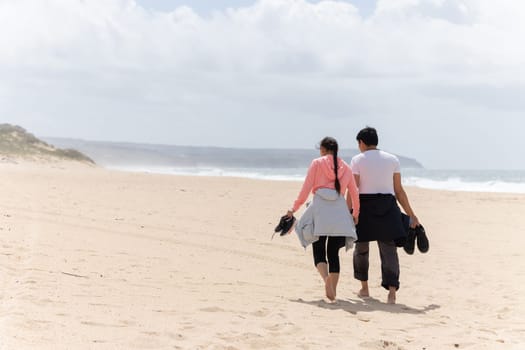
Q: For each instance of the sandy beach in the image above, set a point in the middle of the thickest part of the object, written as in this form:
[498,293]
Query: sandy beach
[99,259]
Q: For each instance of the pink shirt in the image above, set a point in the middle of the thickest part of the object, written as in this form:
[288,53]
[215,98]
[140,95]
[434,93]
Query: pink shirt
[321,175]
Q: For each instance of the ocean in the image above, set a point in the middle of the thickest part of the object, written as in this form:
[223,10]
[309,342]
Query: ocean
[275,164]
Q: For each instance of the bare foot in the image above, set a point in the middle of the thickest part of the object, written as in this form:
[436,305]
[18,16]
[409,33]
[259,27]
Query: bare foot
[329,290]
[391,297]
[363,293]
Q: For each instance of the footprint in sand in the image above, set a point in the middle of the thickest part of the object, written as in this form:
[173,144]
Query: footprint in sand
[502,313]
[381,344]
[212,309]
[175,336]
[284,327]
[261,313]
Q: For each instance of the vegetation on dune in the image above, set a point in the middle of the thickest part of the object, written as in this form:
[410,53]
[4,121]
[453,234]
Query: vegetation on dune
[15,141]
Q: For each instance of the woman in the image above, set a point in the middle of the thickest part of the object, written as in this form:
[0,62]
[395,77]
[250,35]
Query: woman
[328,179]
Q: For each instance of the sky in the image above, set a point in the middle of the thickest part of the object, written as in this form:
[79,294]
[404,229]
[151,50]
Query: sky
[443,81]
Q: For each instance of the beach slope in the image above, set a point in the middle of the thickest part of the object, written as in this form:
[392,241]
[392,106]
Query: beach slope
[97,259]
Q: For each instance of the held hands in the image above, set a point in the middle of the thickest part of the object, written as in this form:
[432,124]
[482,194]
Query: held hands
[289,213]
[355,217]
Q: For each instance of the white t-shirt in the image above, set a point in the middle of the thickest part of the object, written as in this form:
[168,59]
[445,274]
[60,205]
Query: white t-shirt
[376,170]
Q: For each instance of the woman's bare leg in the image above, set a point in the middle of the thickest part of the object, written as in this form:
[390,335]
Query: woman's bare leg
[334,278]
[322,268]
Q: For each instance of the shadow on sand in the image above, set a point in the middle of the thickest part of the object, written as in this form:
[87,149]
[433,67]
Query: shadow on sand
[354,306]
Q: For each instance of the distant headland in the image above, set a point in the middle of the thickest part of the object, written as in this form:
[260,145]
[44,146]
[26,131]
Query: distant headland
[125,154]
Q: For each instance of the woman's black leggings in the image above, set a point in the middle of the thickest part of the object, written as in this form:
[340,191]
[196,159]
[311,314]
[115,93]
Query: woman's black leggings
[328,247]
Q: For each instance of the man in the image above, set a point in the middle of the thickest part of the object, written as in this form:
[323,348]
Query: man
[378,177]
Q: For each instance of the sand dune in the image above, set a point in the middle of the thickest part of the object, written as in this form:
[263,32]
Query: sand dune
[97,259]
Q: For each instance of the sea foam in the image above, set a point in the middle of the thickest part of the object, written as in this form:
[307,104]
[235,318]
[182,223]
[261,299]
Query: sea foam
[452,180]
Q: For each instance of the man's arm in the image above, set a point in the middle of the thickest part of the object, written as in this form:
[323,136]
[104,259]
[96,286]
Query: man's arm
[355,211]
[402,198]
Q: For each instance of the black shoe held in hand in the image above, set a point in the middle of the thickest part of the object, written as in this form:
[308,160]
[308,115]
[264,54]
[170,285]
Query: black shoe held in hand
[285,225]
[410,242]
[422,239]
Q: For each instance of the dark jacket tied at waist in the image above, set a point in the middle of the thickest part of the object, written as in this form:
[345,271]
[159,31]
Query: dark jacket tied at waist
[380,219]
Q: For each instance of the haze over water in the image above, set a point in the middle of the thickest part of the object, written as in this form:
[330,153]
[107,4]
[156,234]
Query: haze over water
[272,164]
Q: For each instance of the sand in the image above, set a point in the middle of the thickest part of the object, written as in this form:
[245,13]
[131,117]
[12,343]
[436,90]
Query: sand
[99,259]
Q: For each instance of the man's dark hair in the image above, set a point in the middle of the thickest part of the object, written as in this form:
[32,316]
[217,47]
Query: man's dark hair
[368,135]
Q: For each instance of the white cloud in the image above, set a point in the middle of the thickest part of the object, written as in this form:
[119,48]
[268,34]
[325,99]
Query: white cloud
[404,37]
[69,67]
